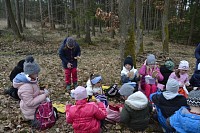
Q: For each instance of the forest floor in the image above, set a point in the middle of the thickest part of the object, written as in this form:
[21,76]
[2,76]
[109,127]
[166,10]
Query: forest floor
[102,57]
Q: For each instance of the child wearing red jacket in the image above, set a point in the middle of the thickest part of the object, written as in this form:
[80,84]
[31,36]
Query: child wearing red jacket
[85,117]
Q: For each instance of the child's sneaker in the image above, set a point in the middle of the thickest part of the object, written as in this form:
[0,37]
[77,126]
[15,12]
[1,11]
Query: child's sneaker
[68,88]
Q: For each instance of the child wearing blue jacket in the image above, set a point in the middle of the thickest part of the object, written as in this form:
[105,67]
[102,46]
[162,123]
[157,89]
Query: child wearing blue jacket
[69,53]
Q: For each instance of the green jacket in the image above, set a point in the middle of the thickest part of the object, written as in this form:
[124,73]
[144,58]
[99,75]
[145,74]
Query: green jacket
[137,120]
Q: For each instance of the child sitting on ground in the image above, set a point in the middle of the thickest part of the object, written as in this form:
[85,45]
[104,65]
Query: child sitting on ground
[136,112]
[150,73]
[85,116]
[181,75]
[168,102]
[28,89]
[129,73]
[95,89]
[187,120]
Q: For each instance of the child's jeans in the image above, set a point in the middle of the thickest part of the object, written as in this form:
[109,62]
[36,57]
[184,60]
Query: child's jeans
[70,73]
[149,89]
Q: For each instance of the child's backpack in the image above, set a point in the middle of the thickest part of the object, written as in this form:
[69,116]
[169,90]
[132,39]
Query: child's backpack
[113,114]
[102,98]
[112,91]
[44,117]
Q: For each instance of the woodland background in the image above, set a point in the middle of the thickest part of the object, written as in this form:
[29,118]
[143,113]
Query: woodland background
[166,28]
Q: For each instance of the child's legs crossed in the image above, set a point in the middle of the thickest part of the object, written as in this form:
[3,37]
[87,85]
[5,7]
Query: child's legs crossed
[67,76]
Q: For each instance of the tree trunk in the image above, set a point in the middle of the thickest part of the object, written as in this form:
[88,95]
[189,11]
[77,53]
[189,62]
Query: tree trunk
[112,28]
[123,15]
[49,12]
[18,16]
[41,19]
[87,26]
[7,17]
[139,25]
[73,17]
[165,30]
[130,46]
[52,19]
[12,19]
[66,17]
[192,22]
[24,13]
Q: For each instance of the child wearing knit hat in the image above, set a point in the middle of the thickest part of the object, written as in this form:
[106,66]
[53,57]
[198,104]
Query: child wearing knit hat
[85,116]
[136,112]
[168,102]
[188,120]
[181,75]
[28,89]
[150,73]
[69,53]
[166,71]
[129,73]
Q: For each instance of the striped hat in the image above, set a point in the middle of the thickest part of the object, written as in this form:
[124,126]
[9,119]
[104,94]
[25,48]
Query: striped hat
[194,98]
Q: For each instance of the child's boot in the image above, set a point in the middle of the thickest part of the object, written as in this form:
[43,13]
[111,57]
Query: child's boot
[75,85]
[68,88]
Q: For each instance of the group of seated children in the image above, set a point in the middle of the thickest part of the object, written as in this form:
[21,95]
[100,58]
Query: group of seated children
[138,91]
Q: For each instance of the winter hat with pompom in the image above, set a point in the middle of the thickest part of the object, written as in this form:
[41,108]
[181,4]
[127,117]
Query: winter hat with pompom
[30,66]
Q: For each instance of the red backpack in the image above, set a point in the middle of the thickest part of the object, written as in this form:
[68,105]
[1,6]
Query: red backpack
[45,116]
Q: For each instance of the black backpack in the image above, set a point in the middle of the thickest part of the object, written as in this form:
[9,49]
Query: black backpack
[112,91]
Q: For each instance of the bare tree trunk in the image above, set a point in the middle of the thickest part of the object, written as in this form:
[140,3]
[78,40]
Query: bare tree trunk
[66,18]
[192,22]
[73,17]
[123,15]
[165,30]
[7,17]
[24,13]
[12,19]
[87,35]
[112,10]
[41,19]
[18,16]
[49,12]
[139,25]
[52,19]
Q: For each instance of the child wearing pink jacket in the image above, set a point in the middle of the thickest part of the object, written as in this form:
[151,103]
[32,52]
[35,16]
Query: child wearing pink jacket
[151,71]
[85,116]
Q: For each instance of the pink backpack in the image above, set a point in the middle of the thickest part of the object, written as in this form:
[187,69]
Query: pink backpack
[44,116]
[113,113]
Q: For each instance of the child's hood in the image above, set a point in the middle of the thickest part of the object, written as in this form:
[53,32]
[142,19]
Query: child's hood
[20,79]
[137,101]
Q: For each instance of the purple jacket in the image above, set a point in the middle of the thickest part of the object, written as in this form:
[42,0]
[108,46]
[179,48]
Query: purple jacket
[143,72]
